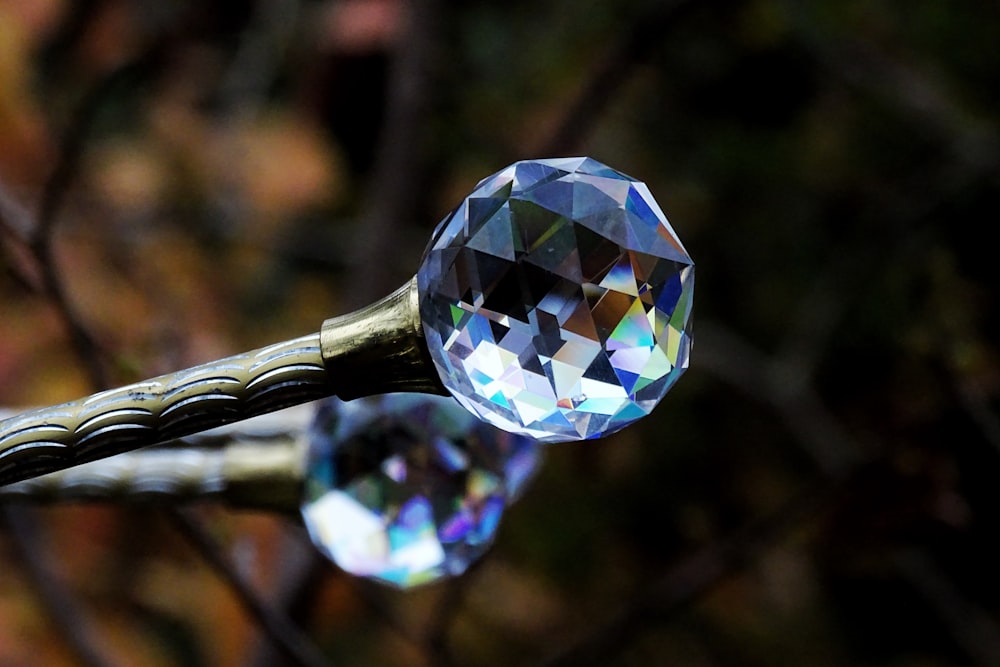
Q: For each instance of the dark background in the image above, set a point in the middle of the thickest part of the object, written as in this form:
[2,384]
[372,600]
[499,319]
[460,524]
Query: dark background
[182,181]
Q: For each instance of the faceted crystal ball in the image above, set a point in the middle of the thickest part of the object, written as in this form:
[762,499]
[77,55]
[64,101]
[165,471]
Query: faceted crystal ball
[409,488]
[555,300]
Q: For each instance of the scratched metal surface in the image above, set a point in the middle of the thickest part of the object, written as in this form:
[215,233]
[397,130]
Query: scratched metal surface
[170,406]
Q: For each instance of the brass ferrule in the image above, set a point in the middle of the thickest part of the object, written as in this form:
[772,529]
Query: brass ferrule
[380,349]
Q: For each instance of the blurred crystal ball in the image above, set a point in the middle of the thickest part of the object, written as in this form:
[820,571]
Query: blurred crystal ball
[555,300]
[407,489]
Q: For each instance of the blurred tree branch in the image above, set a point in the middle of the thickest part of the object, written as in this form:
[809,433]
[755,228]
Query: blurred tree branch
[37,563]
[291,640]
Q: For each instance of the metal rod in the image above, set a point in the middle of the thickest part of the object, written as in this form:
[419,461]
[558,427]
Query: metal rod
[257,475]
[377,349]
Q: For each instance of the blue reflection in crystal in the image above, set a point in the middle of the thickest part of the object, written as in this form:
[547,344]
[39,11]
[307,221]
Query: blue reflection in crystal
[544,273]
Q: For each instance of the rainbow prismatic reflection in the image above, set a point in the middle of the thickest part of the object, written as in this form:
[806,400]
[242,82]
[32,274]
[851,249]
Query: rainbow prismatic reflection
[407,489]
[556,300]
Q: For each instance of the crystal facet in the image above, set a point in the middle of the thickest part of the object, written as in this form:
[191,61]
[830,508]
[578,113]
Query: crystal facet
[408,488]
[555,300]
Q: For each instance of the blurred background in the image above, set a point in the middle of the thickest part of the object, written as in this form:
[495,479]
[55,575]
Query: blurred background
[182,181]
